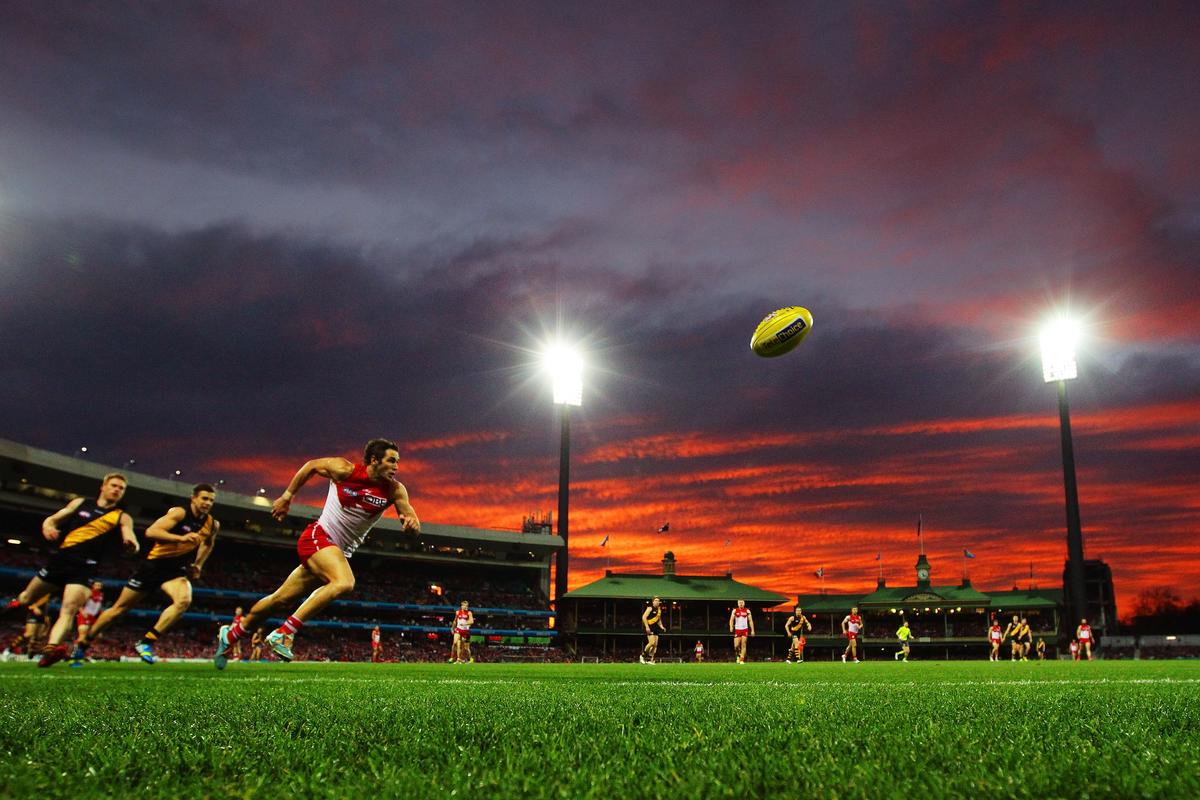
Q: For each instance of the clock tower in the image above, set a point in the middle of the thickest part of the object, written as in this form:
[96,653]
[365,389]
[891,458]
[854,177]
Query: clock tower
[922,562]
[922,572]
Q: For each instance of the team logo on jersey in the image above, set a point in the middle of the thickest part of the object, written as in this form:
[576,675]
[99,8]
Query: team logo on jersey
[85,514]
[369,499]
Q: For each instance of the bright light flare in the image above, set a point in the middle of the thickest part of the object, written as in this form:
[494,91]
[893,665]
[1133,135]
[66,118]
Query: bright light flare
[1059,338]
[565,365]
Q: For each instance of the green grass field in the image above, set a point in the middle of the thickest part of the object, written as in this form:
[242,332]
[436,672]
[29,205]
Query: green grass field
[878,729]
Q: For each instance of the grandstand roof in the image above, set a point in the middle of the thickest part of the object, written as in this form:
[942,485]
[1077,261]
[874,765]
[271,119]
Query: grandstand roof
[934,596]
[629,586]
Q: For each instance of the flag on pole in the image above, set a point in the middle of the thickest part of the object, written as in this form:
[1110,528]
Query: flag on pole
[603,543]
[666,526]
[820,573]
[967,553]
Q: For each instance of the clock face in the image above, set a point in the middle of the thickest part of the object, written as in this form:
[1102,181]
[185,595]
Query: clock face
[922,574]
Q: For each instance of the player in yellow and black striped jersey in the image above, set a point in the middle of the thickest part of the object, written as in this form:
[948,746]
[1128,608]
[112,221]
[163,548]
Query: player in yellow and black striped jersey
[652,624]
[81,530]
[180,542]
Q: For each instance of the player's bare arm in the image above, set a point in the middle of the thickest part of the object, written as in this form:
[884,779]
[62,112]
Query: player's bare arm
[646,620]
[335,468]
[128,538]
[203,552]
[160,530]
[50,523]
[404,509]
[750,619]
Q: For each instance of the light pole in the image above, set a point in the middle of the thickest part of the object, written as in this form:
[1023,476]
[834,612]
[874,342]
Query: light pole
[1058,366]
[566,372]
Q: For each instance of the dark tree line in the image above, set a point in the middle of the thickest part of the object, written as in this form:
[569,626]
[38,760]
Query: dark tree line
[1161,611]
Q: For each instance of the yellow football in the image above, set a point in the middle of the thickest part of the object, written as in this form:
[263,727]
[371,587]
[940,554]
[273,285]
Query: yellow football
[780,331]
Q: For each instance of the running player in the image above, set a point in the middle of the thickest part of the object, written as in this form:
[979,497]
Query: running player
[358,496]
[1084,634]
[34,631]
[1041,649]
[376,645]
[256,645]
[1074,649]
[795,627]
[852,628]
[699,652]
[995,636]
[1026,638]
[90,611]
[741,625]
[1011,631]
[81,529]
[235,651]
[903,633]
[652,626]
[460,647]
[180,542]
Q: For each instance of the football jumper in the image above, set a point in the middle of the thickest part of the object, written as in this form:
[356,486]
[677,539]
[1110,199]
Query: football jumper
[352,508]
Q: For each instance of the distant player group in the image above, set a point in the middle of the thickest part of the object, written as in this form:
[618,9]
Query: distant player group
[741,626]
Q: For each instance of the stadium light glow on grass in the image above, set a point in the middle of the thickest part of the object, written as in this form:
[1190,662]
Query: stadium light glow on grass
[565,365]
[1059,338]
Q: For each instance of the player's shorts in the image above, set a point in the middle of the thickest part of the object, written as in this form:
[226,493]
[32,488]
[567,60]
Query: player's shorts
[152,573]
[82,619]
[740,634]
[65,568]
[313,539]
[463,634]
[851,635]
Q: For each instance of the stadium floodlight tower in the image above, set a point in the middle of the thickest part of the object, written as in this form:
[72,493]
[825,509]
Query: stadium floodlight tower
[565,365]
[1058,340]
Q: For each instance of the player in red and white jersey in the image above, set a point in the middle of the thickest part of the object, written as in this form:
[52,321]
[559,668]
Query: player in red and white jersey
[358,496]
[376,645]
[460,632]
[1084,634]
[91,609]
[235,649]
[741,625]
[995,637]
[699,652]
[1074,650]
[852,628]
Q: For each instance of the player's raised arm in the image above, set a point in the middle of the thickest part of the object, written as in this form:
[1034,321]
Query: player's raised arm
[335,468]
[404,509]
[50,523]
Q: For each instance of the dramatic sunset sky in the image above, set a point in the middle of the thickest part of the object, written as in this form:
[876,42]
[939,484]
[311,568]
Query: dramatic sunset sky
[234,236]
